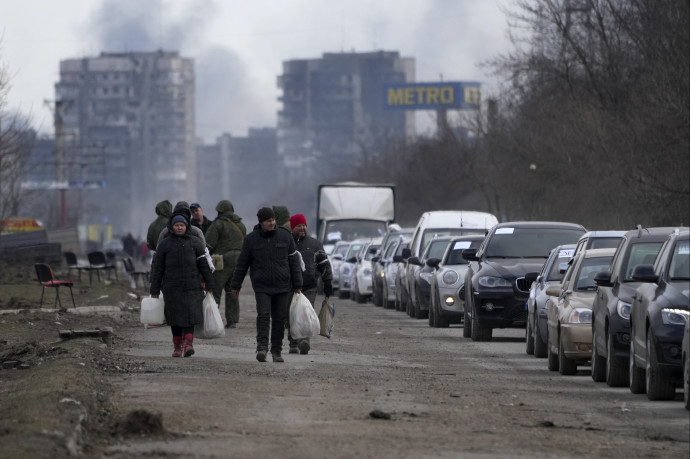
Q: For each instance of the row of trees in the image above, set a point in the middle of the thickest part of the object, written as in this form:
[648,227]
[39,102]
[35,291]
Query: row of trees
[591,124]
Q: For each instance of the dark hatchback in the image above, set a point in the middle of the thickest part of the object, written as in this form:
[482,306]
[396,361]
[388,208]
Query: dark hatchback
[658,314]
[611,307]
[495,286]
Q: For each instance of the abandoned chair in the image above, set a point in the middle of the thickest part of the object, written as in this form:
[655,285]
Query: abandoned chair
[134,274]
[47,279]
[73,263]
[98,262]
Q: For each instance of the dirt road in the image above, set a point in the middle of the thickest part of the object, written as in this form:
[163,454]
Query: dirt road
[385,385]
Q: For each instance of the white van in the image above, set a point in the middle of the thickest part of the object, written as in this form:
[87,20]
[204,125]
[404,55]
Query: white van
[436,224]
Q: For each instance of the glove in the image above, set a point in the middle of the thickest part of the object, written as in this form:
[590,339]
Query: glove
[328,290]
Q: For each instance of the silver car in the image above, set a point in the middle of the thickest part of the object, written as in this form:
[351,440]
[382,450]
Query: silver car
[336,259]
[447,294]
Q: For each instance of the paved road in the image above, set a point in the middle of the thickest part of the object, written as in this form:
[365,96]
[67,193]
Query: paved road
[440,395]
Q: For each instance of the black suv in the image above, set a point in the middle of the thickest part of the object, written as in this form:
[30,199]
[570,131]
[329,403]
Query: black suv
[611,307]
[496,290]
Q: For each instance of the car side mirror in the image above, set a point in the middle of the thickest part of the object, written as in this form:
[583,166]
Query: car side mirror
[398,258]
[337,256]
[352,260]
[414,261]
[406,252]
[531,277]
[603,279]
[645,273]
[554,289]
[433,262]
[470,254]
[376,259]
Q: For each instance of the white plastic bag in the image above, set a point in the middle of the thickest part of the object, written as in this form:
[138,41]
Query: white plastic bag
[152,311]
[213,323]
[304,322]
[326,316]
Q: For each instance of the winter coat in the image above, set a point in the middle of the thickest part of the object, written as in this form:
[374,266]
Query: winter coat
[164,212]
[227,231]
[273,259]
[182,208]
[282,216]
[178,269]
[316,264]
[203,226]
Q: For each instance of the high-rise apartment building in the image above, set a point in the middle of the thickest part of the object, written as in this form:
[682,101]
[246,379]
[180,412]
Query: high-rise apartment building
[124,126]
[333,115]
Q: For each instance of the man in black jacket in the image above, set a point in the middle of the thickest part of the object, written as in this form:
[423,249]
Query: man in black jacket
[276,273]
[198,218]
[316,265]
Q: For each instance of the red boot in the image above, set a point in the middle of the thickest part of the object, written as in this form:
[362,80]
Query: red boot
[188,348]
[177,341]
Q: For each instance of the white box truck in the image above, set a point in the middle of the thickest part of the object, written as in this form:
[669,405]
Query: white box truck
[351,210]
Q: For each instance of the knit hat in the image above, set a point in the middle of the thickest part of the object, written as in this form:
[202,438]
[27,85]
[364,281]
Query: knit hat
[297,219]
[179,218]
[265,213]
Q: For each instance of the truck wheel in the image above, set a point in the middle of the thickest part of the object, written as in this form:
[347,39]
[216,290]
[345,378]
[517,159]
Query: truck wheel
[658,387]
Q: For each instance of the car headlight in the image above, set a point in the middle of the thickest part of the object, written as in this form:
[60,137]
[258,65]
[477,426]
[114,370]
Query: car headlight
[670,316]
[623,309]
[426,276]
[450,277]
[494,282]
[580,316]
[450,301]
[383,274]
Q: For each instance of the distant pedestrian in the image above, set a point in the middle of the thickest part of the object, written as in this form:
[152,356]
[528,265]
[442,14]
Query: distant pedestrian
[198,218]
[181,272]
[282,216]
[271,257]
[225,237]
[164,211]
[316,265]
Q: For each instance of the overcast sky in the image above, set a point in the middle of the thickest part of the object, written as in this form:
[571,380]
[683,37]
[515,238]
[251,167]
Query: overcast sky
[239,46]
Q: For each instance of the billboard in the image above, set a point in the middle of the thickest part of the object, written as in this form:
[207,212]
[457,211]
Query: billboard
[431,96]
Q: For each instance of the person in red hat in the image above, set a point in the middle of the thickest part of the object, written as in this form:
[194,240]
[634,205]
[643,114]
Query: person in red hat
[316,265]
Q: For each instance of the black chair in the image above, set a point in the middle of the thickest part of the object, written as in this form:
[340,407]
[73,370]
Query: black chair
[98,262]
[134,274]
[73,263]
[47,279]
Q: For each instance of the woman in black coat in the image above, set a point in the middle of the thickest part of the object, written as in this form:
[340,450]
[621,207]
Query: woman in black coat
[180,270]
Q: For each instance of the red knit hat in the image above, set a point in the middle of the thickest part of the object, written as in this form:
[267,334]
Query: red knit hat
[297,219]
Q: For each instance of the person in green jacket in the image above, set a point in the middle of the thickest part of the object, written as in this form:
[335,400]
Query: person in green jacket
[225,237]
[282,216]
[164,210]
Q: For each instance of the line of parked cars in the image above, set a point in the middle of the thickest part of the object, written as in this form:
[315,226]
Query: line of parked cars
[617,301]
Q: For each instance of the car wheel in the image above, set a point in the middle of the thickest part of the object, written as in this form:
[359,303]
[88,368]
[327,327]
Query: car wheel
[384,298]
[441,322]
[479,333]
[466,321]
[432,316]
[598,362]
[539,343]
[343,295]
[375,295]
[658,387]
[636,375]
[529,339]
[552,359]
[686,383]
[616,374]
[566,366]
[358,297]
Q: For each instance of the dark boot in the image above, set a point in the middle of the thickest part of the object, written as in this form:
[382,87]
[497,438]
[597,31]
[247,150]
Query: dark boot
[188,348]
[276,355]
[177,341]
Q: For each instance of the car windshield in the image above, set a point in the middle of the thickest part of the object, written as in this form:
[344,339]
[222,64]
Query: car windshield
[341,250]
[510,242]
[353,250]
[680,261]
[348,230]
[437,249]
[432,233]
[455,253]
[588,269]
[369,255]
[643,253]
[555,273]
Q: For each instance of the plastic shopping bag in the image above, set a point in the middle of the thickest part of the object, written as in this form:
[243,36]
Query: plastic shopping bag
[213,323]
[326,316]
[303,320]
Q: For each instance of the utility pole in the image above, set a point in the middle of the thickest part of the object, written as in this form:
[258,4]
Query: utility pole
[58,109]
